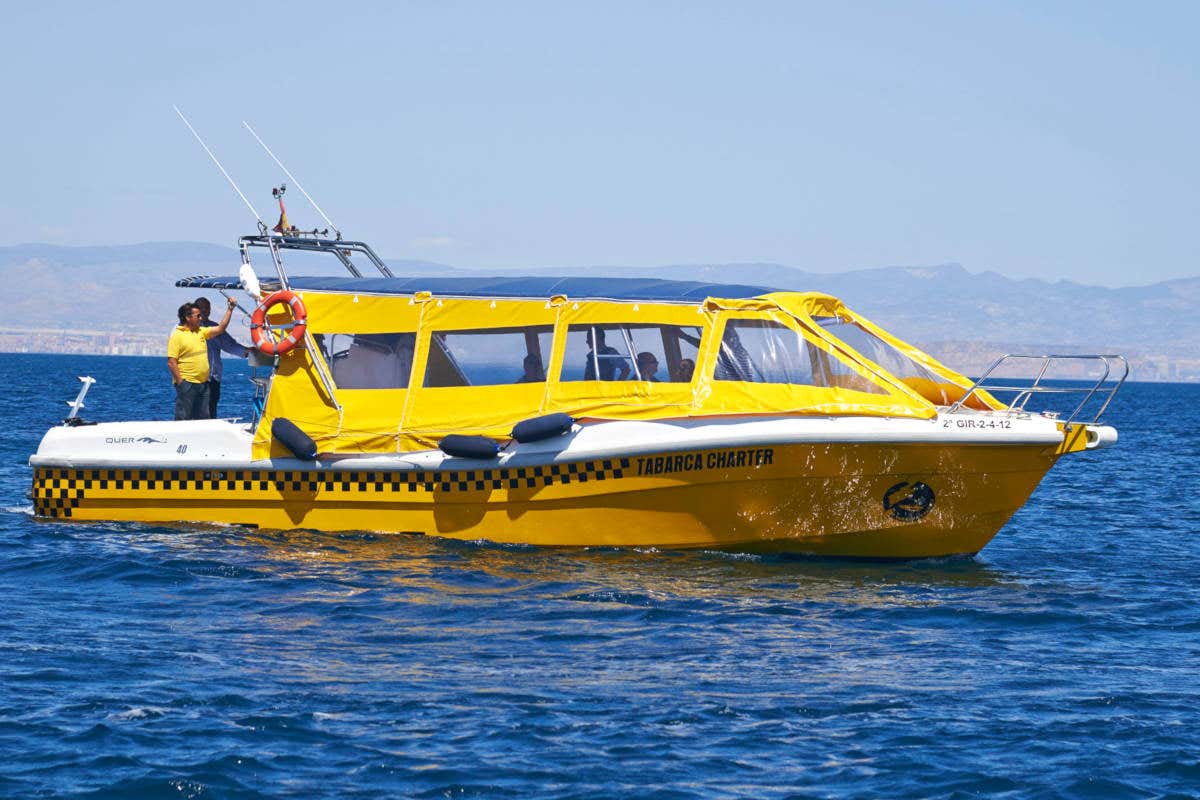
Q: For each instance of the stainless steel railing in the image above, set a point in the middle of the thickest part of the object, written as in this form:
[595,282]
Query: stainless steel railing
[1106,385]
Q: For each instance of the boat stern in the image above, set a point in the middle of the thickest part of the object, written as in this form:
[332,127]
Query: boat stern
[133,443]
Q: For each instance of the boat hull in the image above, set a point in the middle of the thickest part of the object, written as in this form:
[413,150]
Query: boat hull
[876,500]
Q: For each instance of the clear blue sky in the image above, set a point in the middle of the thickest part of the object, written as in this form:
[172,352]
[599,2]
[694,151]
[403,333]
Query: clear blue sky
[1052,140]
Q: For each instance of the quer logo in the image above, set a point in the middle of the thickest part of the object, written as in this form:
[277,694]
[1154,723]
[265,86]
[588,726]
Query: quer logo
[132,440]
[908,501]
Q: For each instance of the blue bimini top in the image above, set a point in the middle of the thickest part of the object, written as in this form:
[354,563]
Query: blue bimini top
[648,289]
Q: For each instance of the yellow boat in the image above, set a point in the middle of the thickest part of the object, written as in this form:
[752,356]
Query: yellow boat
[585,412]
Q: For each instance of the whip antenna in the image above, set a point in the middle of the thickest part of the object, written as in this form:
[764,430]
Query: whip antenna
[292,177]
[218,163]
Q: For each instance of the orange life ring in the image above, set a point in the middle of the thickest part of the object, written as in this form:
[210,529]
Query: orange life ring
[259,327]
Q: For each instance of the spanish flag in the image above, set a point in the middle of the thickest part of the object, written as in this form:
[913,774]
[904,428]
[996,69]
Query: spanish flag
[283,226]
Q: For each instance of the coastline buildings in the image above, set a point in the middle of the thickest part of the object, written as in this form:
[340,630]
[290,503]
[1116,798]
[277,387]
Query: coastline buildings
[84,342]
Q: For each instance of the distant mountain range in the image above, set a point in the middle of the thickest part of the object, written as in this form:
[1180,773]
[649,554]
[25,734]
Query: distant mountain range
[945,308]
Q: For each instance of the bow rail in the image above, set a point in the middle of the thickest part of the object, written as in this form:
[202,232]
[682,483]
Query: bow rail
[1106,385]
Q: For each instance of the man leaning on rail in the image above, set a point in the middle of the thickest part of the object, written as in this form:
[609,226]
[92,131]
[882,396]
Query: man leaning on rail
[187,359]
[215,345]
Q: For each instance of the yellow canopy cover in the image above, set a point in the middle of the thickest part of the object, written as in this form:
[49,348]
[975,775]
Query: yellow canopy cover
[408,370]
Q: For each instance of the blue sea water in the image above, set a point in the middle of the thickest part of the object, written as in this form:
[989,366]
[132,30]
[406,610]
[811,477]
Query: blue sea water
[201,662]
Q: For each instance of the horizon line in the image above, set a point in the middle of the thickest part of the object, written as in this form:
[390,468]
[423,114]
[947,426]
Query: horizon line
[583,266]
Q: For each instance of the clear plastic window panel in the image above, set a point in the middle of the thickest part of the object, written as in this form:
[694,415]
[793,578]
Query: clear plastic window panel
[885,355]
[369,360]
[653,353]
[491,357]
[763,351]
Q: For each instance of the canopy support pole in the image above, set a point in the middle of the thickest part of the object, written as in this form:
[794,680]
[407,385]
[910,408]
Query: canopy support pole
[326,381]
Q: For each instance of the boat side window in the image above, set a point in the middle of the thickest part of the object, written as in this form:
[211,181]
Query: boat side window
[488,357]
[763,351]
[614,352]
[932,386]
[369,360]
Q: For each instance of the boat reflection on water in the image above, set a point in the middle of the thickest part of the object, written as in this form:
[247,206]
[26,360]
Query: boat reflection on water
[447,622]
[448,569]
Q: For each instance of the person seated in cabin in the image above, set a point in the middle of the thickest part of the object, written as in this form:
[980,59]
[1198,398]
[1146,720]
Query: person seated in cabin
[187,360]
[683,373]
[647,366]
[609,360]
[215,345]
[534,373]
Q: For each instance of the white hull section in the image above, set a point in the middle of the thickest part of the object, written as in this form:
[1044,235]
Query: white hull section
[206,444]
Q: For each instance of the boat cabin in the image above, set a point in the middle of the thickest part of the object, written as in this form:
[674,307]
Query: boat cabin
[394,364]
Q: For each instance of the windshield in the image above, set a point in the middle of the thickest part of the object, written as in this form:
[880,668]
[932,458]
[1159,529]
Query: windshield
[924,381]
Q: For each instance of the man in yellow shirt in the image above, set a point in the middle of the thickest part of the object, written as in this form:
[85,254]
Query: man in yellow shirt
[187,359]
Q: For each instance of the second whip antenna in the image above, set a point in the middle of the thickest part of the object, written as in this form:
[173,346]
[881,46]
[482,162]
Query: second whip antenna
[292,177]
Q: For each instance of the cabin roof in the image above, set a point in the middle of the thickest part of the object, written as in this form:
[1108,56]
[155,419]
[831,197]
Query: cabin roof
[647,289]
